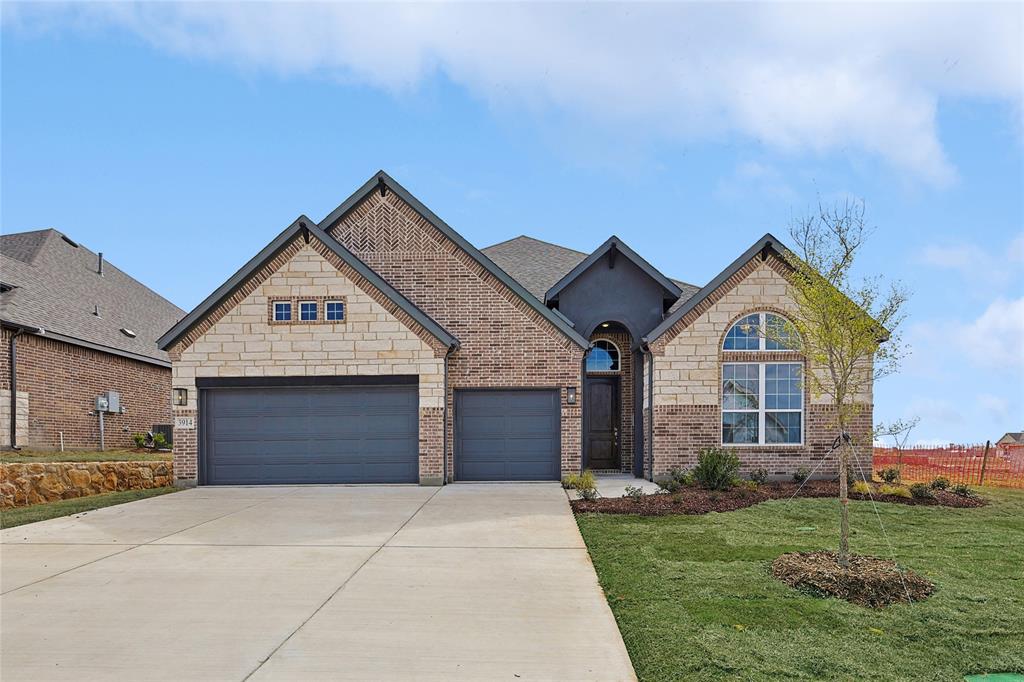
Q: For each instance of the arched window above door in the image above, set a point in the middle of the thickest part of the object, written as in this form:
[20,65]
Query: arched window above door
[603,357]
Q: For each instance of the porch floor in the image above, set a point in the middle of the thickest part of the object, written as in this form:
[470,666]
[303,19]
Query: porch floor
[614,485]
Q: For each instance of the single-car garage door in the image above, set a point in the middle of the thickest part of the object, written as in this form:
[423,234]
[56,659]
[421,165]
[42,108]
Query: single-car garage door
[507,435]
[307,434]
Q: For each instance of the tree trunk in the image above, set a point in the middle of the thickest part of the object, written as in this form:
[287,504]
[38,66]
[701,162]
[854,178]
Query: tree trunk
[844,509]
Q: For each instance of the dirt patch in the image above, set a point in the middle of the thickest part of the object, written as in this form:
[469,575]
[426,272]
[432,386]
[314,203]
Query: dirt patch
[694,500]
[867,581]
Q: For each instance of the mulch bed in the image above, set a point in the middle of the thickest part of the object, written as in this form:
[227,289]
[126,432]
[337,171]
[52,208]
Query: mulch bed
[867,581]
[694,500]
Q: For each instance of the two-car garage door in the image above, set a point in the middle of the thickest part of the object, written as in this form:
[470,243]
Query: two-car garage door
[291,434]
[310,434]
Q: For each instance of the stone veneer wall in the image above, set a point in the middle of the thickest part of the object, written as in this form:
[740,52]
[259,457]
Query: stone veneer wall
[60,383]
[504,342]
[687,382]
[239,340]
[33,483]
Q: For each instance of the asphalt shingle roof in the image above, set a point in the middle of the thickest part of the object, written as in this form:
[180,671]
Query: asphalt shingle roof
[57,288]
[539,265]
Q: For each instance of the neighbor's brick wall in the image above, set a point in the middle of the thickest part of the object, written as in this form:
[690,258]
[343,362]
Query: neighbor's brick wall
[62,382]
[242,341]
[687,382]
[504,342]
[626,438]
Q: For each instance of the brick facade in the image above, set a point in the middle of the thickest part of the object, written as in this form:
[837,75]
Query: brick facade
[238,339]
[504,342]
[61,382]
[688,363]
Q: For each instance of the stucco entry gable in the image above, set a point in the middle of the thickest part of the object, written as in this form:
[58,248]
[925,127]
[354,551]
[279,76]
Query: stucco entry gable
[371,341]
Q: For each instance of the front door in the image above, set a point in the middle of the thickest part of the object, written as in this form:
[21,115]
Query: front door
[603,419]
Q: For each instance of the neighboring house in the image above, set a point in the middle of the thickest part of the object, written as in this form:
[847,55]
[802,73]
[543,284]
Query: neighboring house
[1012,438]
[73,328]
[378,345]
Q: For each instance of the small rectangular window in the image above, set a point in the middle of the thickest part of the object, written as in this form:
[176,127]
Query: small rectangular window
[335,311]
[282,311]
[307,311]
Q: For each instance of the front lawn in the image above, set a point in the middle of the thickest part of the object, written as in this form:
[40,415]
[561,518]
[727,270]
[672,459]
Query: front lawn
[51,510]
[44,456]
[694,600]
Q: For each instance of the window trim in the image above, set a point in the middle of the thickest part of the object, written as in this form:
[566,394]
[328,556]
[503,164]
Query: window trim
[316,311]
[344,311]
[290,318]
[618,354]
[761,409]
[762,340]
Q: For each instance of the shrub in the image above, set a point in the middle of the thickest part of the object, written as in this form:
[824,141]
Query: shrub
[962,490]
[139,439]
[571,481]
[159,441]
[759,475]
[716,468]
[634,493]
[677,498]
[745,486]
[861,488]
[889,475]
[895,490]
[668,484]
[921,491]
[586,485]
[940,483]
[801,474]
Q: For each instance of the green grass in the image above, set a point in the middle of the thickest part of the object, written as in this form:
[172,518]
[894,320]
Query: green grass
[51,510]
[694,600]
[43,456]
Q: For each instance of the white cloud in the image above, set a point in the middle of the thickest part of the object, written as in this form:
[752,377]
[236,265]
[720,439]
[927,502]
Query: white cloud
[799,77]
[980,268]
[996,338]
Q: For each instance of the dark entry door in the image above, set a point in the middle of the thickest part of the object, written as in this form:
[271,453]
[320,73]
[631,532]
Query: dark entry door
[603,419]
[507,435]
[302,434]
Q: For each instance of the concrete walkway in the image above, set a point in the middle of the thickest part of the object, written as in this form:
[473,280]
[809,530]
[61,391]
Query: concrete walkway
[474,582]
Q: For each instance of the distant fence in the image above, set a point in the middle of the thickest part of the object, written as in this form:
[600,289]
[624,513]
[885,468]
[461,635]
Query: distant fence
[968,464]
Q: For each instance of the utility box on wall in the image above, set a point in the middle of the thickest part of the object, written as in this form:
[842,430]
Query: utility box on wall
[109,402]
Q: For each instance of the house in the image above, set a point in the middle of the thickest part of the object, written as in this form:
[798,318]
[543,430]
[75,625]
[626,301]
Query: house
[1011,438]
[378,345]
[75,328]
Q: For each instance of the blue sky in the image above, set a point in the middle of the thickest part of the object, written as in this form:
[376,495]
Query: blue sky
[179,139]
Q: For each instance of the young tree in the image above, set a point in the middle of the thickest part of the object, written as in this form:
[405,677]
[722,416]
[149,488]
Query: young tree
[899,430]
[846,327]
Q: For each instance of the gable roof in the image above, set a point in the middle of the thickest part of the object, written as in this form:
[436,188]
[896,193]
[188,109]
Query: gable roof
[303,225]
[614,244]
[56,287]
[538,265]
[1014,436]
[767,242]
[381,181]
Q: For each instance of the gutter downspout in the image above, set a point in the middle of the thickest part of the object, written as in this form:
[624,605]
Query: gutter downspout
[444,428]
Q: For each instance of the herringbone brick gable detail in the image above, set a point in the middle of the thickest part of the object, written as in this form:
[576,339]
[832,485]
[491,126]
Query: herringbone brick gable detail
[386,227]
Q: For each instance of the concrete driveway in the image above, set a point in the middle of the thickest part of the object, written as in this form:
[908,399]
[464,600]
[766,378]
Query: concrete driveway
[480,582]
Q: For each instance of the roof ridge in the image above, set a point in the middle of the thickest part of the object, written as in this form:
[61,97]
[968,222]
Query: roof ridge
[540,241]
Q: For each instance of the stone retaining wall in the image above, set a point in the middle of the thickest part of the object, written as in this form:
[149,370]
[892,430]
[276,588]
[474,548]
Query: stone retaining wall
[35,482]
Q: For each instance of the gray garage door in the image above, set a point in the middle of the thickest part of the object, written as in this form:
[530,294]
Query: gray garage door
[507,435]
[336,434]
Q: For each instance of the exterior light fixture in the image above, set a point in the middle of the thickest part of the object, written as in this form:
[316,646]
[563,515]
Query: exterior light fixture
[180,397]
[604,325]
[570,395]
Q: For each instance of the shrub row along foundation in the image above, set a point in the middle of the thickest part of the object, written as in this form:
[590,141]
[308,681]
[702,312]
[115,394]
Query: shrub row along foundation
[33,483]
